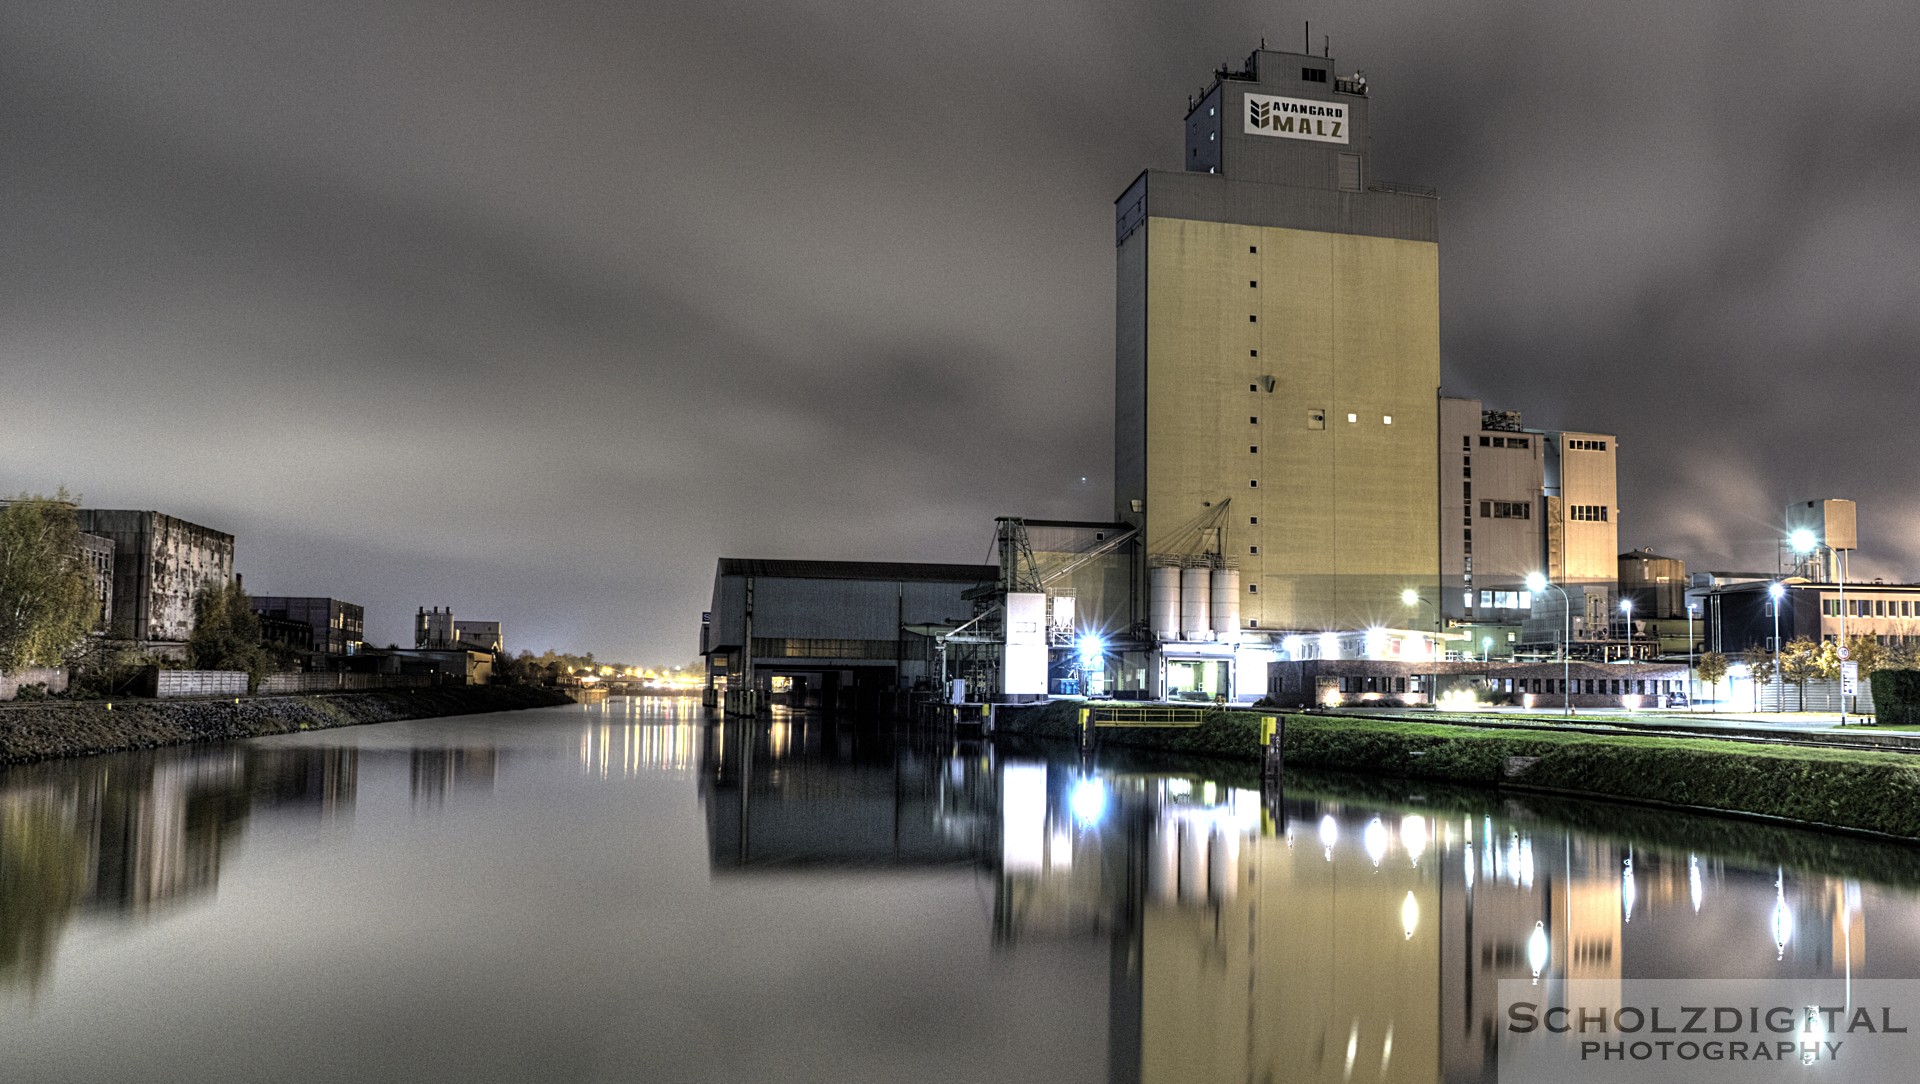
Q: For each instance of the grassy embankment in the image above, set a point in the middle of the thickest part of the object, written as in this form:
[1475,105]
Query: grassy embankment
[55,728]
[1862,790]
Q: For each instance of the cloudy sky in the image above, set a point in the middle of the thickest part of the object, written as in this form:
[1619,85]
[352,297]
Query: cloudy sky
[534,310]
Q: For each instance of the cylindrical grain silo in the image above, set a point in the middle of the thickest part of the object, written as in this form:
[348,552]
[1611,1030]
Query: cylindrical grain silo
[1164,601]
[1196,621]
[1226,603]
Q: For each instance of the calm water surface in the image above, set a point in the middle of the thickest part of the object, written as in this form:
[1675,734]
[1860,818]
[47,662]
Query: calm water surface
[629,893]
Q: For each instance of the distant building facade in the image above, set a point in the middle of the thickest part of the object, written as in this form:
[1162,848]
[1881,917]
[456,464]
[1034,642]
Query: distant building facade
[97,552]
[439,630]
[160,564]
[338,628]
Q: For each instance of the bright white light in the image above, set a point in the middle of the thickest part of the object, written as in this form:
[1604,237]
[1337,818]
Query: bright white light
[1374,839]
[1092,650]
[1628,892]
[1089,802]
[1458,699]
[1626,605]
[1776,591]
[1376,643]
[1696,887]
[1803,540]
[1813,1032]
[1413,835]
[1537,946]
[1291,645]
[1410,597]
[1329,646]
[1536,582]
[1409,915]
[1329,833]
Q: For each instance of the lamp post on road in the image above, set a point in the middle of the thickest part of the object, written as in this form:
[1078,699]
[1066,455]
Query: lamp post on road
[1690,642]
[1777,591]
[1626,607]
[1412,598]
[1805,541]
[1537,583]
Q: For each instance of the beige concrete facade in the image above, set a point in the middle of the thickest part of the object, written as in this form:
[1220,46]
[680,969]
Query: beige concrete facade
[1287,382]
[1581,473]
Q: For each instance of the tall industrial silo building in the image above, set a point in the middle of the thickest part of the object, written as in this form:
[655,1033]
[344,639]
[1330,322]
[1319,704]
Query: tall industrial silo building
[1278,362]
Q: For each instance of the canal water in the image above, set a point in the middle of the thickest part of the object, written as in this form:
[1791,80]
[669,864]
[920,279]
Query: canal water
[626,892]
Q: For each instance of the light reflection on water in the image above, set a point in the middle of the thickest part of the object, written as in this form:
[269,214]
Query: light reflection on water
[605,877]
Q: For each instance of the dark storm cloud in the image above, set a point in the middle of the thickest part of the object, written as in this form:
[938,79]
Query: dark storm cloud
[535,312]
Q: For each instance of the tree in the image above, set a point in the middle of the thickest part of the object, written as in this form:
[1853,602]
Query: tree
[1805,660]
[226,635]
[1762,667]
[1713,667]
[47,601]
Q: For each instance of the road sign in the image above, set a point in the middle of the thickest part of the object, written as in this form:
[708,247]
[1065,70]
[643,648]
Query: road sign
[1849,679]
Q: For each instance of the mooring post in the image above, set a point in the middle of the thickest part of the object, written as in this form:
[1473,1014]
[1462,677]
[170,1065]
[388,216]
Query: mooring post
[1273,755]
[1086,730]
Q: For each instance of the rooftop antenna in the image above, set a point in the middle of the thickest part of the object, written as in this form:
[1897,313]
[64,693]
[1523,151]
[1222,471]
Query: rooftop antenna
[1326,49]
[1306,41]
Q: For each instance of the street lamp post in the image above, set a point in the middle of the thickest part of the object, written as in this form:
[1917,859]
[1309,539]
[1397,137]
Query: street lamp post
[1805,541]
[1412,598]
[1537,583]
[1776,592]
[1690,642]
[1626,607]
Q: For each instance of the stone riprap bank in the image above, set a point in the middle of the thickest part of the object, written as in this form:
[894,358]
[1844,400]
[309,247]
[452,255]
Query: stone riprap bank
[43,731]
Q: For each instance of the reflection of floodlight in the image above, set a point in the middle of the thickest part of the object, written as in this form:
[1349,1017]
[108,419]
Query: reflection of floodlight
[1329,833]
[1374,839]
[1089,802]
[1413,835]
[1803,540]
[1410,916]
[1537,950]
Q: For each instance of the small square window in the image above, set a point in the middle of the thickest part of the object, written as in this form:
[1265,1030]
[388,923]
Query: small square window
[1253,421]
[1386,419]
[1251,319]
[1253,549]
[1253,589]
[1352,418]
[1253,483]
[1253,284]
[1253,622]
[1253,449]
[1254,520]
[1253,387]
[1253,248]
[1253,353]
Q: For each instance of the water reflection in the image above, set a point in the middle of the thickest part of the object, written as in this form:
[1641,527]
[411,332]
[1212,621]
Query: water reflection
[133,834]
[1312,936]
[630,736]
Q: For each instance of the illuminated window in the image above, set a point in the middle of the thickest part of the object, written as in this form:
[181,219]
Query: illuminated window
[1352,418]
[1386,419]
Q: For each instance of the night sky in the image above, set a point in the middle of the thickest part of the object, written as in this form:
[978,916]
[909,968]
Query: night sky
[535,310]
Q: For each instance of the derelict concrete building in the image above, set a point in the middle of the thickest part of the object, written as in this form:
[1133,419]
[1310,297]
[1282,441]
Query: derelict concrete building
[160,564]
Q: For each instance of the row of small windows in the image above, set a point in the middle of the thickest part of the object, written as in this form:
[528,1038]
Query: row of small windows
[1505,510]
[1871,607]
[1505,600]
[1505,442]
[1575,444]
[1589,513]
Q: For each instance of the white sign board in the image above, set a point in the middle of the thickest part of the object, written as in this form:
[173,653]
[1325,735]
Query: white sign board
[1849,679]
[1296,118]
